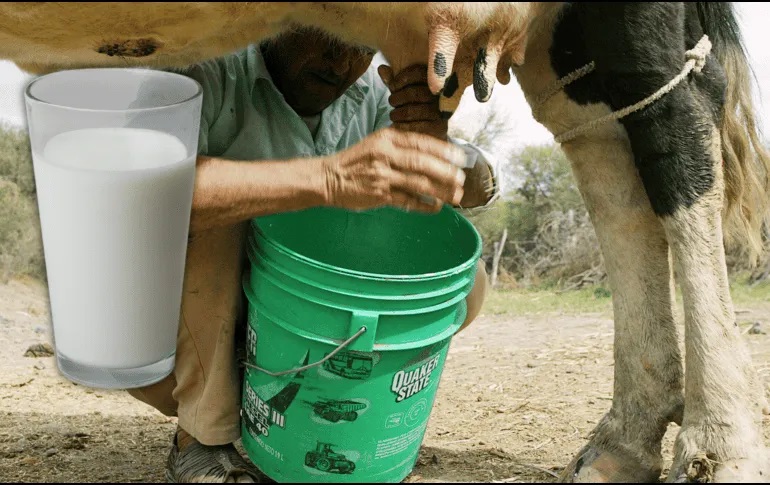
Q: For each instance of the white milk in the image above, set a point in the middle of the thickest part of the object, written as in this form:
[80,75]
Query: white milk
[115,211]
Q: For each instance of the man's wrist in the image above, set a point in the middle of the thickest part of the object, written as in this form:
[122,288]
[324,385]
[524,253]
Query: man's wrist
[321,179]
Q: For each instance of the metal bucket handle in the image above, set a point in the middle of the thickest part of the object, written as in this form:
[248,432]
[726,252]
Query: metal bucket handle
[331,354]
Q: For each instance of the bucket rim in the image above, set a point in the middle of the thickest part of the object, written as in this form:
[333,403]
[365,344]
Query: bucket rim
[248,291]
[256,259]
[374,276]
[447,333]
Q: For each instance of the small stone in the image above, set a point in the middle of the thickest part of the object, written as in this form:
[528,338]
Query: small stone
[30,460]
[39,366]
[39,329]
[531,365]
[756,329]
[19,446]
[50,452]
[39,350]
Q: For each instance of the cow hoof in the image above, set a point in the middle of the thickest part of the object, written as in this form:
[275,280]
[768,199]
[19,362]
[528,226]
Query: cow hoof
[716,453]
[745,471]
[705,469]
[595,466]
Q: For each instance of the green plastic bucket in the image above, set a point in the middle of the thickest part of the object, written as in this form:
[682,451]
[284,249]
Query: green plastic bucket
[350,319]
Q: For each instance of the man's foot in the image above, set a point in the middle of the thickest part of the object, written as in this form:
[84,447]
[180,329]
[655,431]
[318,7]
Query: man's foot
[192,462]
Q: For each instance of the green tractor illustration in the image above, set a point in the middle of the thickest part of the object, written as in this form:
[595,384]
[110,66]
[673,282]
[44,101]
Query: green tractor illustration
[336,410]
[327,460]
[350,365]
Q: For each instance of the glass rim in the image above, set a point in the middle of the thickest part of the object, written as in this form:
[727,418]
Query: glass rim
[198,90]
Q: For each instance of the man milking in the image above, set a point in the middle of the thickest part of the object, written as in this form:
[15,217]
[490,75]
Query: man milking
[299,121]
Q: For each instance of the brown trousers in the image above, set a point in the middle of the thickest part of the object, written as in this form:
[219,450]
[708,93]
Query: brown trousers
[204,391]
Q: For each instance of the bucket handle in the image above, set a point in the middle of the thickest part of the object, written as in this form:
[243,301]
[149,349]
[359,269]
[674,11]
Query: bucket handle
[331,354]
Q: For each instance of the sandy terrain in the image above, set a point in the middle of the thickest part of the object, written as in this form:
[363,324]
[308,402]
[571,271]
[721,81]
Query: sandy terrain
[518,396]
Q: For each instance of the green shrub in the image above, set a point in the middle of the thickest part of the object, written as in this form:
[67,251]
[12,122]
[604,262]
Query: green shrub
[16,159]
[21,249]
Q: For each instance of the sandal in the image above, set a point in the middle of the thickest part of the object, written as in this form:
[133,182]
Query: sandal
[199,463]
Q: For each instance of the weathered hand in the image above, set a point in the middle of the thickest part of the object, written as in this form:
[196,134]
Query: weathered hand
[472,43]
[415,107]
[391,167]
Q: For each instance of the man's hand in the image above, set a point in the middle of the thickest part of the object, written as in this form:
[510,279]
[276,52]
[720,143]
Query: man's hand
[394,168]
[415,107]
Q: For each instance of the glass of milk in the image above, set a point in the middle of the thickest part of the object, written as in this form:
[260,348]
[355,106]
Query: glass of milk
[114,155]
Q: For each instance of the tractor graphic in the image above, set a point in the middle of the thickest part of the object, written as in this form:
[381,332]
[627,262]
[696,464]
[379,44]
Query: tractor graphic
[350,365]
[336,410]
[327,460]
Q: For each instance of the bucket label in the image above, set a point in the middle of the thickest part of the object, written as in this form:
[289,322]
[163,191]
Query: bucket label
[334,422]
[327,459]
[251,344]
[398,444]
[334,411]
[350,365]
[408,383]
[261,414]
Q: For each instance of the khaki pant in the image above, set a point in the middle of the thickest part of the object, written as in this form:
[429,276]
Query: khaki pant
[204,391]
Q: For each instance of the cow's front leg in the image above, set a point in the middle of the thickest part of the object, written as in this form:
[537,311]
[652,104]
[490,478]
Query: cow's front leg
[677,152]
[625,446]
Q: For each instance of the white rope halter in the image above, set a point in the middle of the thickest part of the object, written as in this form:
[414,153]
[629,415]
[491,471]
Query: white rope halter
[695,60]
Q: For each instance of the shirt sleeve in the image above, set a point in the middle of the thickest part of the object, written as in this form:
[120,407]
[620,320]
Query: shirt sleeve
[382,119]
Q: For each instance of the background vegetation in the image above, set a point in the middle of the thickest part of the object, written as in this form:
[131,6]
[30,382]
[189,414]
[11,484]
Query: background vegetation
[21,249]
[550,242]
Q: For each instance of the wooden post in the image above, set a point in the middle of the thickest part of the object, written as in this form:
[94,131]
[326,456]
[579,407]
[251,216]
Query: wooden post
[498,251]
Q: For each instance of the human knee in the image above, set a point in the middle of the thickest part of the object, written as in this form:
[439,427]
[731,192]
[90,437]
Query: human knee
[159,395]
[475,298]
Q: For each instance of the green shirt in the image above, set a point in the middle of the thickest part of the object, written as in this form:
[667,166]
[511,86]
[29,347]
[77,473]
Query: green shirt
[245,117]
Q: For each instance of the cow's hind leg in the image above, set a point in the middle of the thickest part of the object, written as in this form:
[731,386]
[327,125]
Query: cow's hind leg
[648,386]
[677,151]
[721,435]
[625,445]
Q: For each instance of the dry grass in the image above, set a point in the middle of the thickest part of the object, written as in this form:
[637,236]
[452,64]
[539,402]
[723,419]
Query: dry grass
[21,249]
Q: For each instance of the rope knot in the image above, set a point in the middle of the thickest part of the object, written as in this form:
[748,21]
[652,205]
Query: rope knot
[699,53]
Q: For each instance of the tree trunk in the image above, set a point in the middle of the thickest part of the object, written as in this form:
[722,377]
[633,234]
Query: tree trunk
[498,249]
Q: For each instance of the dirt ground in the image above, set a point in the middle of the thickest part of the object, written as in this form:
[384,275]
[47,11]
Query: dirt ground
[518,396]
